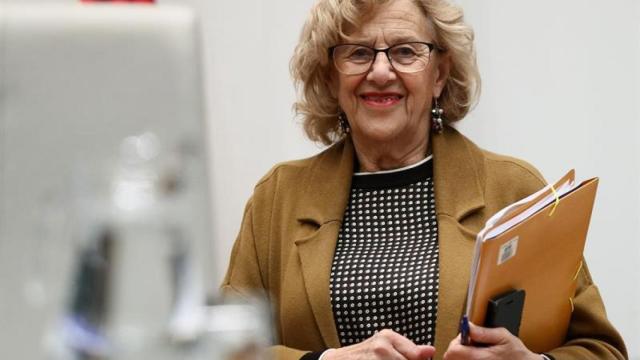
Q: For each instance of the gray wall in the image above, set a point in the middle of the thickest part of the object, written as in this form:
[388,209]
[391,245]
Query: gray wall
[561,90]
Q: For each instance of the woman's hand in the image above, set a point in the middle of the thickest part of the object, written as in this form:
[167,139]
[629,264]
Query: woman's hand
[501,344]
[384,345]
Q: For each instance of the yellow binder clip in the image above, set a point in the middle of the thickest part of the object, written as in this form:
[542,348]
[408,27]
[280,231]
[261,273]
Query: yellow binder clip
[578,271]
[555,205]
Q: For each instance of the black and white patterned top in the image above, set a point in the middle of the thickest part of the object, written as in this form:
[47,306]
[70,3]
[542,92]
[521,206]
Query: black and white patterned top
[385,268]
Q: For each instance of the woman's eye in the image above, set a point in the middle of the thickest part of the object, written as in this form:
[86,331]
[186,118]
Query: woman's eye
[360,54]
[404,51]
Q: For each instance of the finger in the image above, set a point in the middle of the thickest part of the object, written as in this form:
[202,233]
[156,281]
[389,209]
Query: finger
[387,353]
[456,341]
[458,351]
[489,336]
[382,346]
[404,346]
[426,351]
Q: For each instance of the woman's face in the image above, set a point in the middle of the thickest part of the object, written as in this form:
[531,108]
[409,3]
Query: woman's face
[383,105]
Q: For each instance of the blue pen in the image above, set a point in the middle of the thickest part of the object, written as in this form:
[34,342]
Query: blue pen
[464,331]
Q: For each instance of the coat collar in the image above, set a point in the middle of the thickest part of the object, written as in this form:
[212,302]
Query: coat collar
[325,192]
[458,182]
[459,174]
[458,177]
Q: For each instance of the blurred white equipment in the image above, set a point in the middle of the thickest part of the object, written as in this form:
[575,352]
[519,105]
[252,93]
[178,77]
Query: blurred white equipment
[75,82]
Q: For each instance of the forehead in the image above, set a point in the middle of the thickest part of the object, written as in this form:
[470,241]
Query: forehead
[397,20]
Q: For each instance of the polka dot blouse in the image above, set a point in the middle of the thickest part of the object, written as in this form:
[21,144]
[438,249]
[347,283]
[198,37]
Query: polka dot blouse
[385,268]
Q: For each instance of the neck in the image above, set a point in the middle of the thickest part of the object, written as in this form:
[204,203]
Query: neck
[389,156]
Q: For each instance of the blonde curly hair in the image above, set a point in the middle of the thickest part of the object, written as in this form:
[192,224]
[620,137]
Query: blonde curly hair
[311,66]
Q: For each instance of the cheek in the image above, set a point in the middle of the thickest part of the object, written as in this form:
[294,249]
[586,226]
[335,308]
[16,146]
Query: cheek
[421,94]
[347,92]
[418,100]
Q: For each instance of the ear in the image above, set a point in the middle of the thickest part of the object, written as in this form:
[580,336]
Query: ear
[442,73]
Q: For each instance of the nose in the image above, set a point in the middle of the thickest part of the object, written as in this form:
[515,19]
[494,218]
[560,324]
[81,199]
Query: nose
[381,71]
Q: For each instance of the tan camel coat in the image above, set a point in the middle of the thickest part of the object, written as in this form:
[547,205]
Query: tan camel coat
[288,236]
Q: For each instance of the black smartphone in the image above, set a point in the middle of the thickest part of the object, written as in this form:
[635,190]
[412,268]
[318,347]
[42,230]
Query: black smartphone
[506,311]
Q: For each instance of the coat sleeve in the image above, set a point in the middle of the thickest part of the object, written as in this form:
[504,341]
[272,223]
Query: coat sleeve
[246,275]
[590,334]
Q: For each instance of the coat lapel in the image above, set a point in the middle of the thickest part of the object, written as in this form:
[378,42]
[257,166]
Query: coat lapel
[316,256]
[321,205]
[458,184]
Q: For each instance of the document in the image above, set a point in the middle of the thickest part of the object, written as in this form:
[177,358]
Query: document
[535,245]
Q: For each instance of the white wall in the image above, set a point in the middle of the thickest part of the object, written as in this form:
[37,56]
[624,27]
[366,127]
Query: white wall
[250,102]
[561,89]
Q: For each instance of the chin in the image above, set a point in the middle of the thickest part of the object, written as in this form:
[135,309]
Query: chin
[382,135]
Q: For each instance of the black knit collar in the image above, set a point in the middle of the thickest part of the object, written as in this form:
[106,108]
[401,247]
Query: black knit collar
[394,178]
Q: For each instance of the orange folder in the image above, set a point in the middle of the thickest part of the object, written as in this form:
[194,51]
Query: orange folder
[540,252]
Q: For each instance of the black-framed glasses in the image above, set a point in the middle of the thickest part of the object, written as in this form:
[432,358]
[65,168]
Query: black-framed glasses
[407,57]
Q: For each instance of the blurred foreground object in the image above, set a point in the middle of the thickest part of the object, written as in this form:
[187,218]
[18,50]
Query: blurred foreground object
[135,291]
[104,193]
[239,329]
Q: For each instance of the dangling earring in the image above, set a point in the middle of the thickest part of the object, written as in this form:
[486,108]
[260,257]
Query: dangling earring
[344,124]
[436,117]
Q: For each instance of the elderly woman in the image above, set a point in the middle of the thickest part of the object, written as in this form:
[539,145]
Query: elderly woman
[364,249]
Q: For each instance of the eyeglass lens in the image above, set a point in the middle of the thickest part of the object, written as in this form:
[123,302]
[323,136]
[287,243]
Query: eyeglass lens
[357,59]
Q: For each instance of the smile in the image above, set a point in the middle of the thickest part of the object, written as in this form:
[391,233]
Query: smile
[381,100]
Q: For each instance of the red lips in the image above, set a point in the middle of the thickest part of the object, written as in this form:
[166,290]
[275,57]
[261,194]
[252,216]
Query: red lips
[381,99]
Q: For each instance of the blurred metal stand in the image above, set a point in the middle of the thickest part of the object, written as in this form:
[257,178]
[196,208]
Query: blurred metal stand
[135,293]
[135,287]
